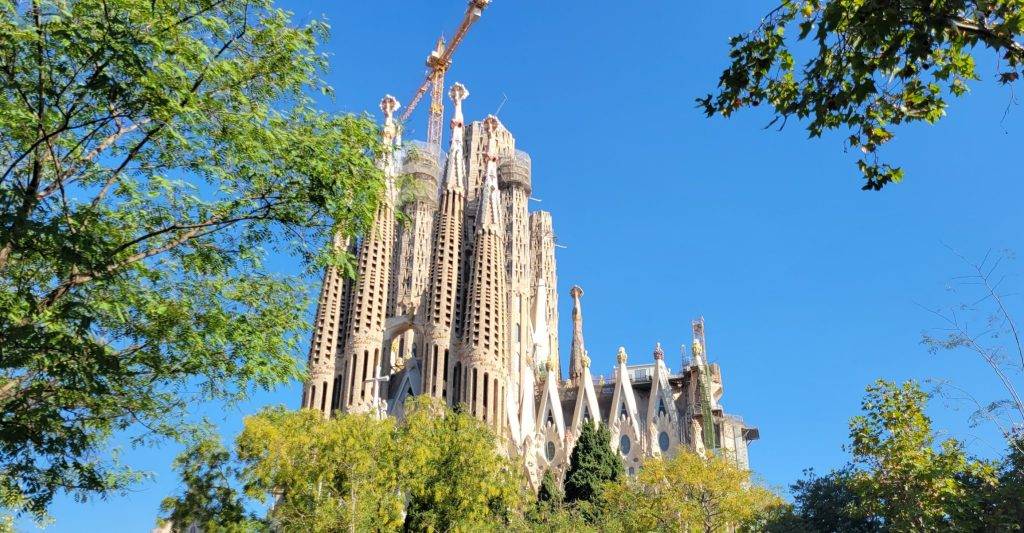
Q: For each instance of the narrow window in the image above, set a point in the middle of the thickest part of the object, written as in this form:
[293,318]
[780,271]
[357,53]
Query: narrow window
[486,383]
[323,397]
[474,392]
[362,381]
[433,373]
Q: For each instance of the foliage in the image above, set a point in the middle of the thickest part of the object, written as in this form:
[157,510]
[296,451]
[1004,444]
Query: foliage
[686,493]
[901,475]
[550,491]
[151,153]
[326,474]
[872,65]
[209,501]
[450,470]
[901,479]
[825,503]
[435,470]
[593,463]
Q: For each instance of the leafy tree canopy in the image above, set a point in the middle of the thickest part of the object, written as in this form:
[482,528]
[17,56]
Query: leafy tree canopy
[209,500]
[686,493]
[902,475]
[152,152]
[436,470]
[867,66]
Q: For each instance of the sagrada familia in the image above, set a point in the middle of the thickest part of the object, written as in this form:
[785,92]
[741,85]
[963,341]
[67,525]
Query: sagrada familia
[459,302]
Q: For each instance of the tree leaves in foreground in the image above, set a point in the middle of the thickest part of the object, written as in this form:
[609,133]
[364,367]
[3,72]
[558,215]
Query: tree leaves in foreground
[686,493]
[152,152]
[436,470]
[902,479]
[209,500]
[867,66]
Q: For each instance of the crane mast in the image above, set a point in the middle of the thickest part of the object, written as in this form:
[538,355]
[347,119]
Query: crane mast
[438,62]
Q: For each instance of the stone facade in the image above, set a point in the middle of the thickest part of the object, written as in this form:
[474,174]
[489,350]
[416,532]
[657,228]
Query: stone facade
[459,302]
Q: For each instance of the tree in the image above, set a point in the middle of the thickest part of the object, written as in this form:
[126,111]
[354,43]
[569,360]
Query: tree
[326,475]
[550,492]
[826,503]
[593,463]
[871,66]
[434,470]
[686,493]
[901,475]
[151,153]
[985,328]
[449,468]
[210,501]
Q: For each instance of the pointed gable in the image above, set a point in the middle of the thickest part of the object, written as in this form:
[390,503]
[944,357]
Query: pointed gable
[586,408]
[660,403]
[623,408]
[408,385]
[550,411]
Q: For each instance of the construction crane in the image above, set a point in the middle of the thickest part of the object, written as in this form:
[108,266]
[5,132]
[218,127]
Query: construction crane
[437,64]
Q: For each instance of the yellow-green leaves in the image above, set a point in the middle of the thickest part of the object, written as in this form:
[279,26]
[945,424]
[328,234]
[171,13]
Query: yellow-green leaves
[686,493]
[434,471]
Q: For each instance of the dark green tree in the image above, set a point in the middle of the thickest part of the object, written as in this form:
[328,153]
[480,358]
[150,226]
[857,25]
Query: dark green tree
[152,152]
[866,67]
[593,462]
[550,492]
[827,503]
[209,499]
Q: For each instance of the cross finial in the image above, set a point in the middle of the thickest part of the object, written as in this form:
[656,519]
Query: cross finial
[491,127]
[389,104]
[659,354]
[458,93]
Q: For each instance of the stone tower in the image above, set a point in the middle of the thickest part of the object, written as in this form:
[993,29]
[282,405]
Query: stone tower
[514,183]
[362,354]
[483,353]
[438,316]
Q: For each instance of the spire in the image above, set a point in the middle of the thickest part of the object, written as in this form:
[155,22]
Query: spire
[455,170]
[578,352]
[490,199]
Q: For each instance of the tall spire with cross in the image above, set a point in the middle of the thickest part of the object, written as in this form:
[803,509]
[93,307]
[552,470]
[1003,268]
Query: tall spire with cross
[438,316]
[361,358]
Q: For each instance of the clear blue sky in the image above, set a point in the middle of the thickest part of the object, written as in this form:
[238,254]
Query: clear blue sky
[810,287]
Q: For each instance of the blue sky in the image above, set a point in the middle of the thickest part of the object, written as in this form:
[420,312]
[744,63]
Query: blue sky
[811,289]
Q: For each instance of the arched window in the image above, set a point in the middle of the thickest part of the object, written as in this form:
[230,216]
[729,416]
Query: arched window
[624,444]
[549,451]
[323,396]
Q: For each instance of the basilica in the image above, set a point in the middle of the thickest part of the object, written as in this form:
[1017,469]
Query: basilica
[456,297]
